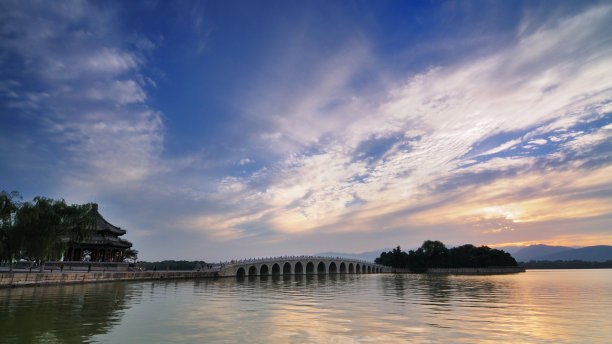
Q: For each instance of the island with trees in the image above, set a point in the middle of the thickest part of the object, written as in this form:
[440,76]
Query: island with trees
[434,256]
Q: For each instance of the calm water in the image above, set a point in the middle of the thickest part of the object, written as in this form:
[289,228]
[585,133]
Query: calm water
[537,306]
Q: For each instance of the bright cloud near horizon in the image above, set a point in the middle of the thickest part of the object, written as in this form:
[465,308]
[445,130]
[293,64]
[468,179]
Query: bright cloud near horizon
[221,130]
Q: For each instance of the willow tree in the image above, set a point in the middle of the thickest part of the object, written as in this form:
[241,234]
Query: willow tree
[131,255]
[11,239]
[50,227]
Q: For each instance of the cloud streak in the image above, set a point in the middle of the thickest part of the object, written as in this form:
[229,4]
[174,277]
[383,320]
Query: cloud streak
[555,77]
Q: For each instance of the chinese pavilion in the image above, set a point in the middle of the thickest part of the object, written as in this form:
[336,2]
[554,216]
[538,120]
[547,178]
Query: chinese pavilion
[104,246]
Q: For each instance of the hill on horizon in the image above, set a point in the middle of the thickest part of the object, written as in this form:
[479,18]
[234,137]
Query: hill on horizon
[599,253]
[367,256]
[534,252]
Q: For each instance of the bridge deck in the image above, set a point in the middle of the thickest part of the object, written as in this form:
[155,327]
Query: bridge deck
[295,265]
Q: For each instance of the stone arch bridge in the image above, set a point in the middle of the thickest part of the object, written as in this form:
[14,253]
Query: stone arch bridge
[297,265]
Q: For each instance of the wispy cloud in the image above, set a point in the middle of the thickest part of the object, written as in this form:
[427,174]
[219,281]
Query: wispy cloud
[396,151]
[91,110]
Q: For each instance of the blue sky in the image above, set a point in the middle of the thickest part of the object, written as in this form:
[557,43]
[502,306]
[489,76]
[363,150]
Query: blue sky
[232,129]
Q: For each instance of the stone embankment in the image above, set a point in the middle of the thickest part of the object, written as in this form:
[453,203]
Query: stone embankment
[477,271]
[468,271]
[18,279]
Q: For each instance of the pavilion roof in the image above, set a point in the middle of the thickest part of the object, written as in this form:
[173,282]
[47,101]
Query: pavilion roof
[106,242]
[105,226]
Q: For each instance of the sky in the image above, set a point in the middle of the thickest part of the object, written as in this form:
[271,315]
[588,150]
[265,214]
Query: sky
[221,130]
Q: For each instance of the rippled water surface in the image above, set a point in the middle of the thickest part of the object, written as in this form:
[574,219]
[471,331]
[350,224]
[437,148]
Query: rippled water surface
[537,306]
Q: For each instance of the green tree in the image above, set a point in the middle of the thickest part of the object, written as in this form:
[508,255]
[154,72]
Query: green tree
[131,255]
[51,226]
[11,238]
[435,252]
[396,258]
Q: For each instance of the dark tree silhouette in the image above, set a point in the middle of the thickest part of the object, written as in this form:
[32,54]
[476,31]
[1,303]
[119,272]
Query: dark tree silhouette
[434,254]
[11,238]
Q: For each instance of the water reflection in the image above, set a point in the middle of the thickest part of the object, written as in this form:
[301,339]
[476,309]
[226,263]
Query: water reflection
[66,314]
[536,306]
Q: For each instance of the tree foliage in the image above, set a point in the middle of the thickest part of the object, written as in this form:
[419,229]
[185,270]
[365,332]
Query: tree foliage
[131,255]
[42,229]
[434,254]
[180,265]
[51,226]
[11,239]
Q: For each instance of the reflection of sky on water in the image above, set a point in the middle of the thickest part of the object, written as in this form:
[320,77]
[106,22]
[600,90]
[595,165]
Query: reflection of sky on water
[537,306]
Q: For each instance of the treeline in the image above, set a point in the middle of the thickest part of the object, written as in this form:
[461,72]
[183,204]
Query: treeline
[434,254]
[42,229]
[180,265]
[566,264]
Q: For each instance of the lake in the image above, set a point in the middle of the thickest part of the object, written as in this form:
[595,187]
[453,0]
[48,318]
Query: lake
[538,306]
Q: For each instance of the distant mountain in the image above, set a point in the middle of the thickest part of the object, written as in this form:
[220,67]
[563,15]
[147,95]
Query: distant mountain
[599,253]
[534,252]
[367,256]
[510,249]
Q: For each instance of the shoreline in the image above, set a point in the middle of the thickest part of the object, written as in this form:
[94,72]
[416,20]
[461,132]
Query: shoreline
[29,279]
[26,279]
[477,271]
[499,270]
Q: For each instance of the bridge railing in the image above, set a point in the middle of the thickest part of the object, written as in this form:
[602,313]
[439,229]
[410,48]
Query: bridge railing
[281,258]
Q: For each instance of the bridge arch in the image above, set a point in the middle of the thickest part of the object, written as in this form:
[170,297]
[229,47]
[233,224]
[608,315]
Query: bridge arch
[264,270]
[363,269]
[310,269]
[287,268]
[369,269]
[357,268]
[342,268]
[332,269]
[321,270]
[276,269]
[241,272]
[298,269]
[351,268]
[253,271]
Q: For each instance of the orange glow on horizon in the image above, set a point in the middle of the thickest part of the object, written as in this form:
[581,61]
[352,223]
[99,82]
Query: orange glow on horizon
[563,240]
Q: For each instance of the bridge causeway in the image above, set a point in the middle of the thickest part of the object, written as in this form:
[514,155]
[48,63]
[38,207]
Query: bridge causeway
[296,265]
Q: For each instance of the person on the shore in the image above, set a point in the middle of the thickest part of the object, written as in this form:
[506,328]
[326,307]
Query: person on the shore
[62,267]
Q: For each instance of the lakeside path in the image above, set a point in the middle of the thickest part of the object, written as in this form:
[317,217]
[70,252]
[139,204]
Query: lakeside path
[22,279]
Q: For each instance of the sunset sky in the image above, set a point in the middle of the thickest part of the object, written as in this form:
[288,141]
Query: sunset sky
[232,129]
